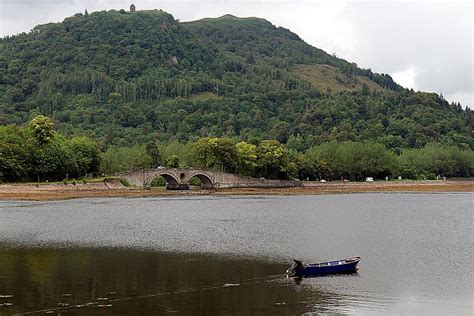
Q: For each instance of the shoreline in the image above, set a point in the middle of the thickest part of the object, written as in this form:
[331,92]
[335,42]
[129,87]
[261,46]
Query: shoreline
[56,191]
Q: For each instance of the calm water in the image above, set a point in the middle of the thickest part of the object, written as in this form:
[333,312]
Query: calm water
[226,255]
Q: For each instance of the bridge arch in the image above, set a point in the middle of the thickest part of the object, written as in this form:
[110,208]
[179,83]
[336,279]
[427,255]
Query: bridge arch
[206,181]
[170,179]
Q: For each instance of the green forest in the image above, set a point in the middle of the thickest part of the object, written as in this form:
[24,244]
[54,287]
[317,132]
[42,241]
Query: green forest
[38,152]
[112,91]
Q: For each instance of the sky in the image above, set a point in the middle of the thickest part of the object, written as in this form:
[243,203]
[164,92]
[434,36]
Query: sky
[424,45]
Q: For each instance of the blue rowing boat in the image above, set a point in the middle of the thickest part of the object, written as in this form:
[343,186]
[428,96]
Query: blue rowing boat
[299,270]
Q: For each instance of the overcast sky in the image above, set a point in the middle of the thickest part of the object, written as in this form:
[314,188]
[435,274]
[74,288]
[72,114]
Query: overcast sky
[425,45]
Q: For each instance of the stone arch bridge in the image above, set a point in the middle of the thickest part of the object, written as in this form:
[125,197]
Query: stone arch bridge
[178,179]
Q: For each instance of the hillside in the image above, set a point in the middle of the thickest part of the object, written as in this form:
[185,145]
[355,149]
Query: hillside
[258,41]
[127,78]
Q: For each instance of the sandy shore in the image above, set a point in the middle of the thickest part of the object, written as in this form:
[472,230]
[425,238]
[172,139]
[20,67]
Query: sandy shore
[60,191]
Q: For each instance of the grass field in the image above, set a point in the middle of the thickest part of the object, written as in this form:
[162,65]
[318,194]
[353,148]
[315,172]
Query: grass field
[326,78]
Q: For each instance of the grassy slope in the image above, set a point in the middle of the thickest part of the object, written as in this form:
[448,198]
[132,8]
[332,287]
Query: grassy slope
[327,77]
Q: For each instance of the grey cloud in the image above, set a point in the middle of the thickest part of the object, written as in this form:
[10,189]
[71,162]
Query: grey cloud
[435,39]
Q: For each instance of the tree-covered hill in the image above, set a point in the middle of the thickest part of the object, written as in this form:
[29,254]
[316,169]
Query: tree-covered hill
[128,78]
[258,41]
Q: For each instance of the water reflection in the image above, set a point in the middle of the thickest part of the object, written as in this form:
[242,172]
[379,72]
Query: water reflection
[132,282]
[299,280]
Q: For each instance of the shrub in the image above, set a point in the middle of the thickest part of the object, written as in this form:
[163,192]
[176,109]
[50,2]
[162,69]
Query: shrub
[124,182]
[158,182]
[408,173]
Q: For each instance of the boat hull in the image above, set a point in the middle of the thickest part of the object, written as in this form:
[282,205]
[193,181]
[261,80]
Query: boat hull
[325,268]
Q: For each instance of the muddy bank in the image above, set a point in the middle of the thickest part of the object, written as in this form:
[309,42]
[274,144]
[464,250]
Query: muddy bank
[59,191]
[355,187]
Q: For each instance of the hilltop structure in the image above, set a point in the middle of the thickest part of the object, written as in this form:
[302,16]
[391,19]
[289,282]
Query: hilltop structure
[132,8]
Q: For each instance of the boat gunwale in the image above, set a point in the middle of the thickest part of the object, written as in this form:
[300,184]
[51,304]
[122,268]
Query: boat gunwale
[346,261]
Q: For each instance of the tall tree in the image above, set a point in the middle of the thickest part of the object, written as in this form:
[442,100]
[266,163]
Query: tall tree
[246,158]
[42,129]
[272,159]
[153,151]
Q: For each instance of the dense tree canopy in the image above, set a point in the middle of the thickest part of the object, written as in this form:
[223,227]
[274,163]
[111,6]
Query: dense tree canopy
[22,157]
[113,91]
[38,152]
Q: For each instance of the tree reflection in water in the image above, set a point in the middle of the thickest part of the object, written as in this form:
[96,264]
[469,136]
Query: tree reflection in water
[131,282]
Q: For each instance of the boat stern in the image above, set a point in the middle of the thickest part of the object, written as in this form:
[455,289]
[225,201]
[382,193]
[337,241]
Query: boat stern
[295,269]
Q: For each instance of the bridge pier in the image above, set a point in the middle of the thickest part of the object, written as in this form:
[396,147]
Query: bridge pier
[206,186]
[178,186]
